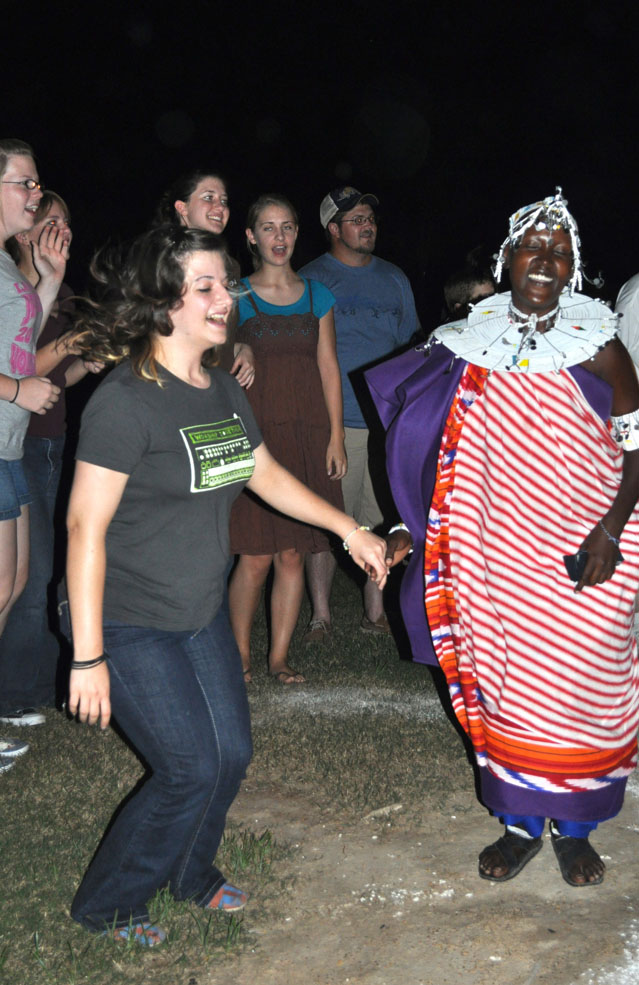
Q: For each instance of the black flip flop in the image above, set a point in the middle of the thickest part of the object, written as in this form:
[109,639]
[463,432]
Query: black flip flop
[567,849]
[515,862]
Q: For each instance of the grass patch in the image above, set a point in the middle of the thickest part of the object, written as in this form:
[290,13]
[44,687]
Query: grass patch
[245,853]
[366,731]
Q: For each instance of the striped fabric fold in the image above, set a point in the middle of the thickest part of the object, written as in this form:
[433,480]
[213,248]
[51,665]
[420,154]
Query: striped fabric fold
[544,681]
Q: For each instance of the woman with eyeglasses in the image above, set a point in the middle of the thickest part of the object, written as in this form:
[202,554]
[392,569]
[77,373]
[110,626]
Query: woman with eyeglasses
[29,651]
[297,400]
[23,311]
[199,199]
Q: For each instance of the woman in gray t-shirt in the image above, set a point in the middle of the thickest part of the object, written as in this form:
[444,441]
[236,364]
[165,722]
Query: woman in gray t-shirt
[167,443]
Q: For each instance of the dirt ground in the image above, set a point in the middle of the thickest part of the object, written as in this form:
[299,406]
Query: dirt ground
[395,900]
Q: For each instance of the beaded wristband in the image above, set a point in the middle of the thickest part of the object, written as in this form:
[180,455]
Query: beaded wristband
[625,430]
[87,664]
[348,537]
[15,396]
[615,540]
[401,526]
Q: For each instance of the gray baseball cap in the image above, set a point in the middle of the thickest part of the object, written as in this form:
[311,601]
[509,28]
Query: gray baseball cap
[343,199]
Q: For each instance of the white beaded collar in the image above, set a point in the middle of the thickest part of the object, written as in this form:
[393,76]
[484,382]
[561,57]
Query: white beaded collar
[490,337]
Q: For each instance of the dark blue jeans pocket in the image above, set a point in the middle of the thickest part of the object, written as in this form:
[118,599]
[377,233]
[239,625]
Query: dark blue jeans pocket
[64,615]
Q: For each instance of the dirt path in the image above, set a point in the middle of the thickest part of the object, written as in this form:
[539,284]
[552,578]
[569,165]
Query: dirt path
[396,900]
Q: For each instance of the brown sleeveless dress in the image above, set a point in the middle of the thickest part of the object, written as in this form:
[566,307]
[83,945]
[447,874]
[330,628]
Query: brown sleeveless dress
[288,403]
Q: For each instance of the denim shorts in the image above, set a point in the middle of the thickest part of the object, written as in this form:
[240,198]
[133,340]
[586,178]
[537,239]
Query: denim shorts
[14,491]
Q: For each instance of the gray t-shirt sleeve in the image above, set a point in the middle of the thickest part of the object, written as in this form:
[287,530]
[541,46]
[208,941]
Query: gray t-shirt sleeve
[114,434]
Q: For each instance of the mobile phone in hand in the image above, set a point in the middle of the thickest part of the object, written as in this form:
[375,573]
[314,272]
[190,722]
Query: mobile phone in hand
[576,564]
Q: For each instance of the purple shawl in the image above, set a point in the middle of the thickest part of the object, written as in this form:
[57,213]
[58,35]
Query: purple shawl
[413,393]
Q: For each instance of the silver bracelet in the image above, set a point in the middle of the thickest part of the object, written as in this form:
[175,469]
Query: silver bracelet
[615,540]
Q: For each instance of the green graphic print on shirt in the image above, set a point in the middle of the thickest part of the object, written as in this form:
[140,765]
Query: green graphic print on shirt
[220,454]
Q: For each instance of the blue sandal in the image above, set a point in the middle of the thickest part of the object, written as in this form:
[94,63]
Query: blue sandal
[228,898]
[143,933]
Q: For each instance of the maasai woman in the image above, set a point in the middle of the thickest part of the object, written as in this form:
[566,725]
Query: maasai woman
[532,454]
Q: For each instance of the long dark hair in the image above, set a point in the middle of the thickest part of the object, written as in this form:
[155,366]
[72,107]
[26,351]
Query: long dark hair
[180,191]
[135,291]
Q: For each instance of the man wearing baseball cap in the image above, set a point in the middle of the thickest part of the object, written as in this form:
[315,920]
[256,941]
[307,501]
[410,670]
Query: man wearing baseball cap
[374,314]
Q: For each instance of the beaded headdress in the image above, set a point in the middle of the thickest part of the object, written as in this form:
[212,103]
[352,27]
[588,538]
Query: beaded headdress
[551,213]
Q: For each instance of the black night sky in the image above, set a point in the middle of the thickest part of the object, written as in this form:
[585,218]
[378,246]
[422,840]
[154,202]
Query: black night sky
[453,115]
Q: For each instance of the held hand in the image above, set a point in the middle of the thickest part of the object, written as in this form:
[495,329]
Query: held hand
[398,544]
[51,252]
[243,369]
[369,551]
[92,365]
[66,342]
[336,461]
[603,556]
[37,394]
[89,695]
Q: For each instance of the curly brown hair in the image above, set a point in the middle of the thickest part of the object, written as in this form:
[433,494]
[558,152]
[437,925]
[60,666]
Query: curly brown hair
[135,291]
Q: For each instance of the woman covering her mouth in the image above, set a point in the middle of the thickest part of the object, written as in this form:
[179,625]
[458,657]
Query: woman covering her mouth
[526,419]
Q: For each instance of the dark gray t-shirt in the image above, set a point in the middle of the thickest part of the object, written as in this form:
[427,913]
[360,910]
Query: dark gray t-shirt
[188,453]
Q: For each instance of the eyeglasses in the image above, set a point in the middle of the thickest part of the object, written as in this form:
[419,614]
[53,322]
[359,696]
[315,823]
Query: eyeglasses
[361,220]
[29,183]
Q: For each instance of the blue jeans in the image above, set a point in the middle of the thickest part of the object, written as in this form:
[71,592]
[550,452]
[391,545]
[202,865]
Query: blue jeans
[14,489]
[29,651]
[181,700]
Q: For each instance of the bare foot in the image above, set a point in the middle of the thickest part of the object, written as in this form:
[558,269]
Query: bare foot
[286,675]
[507,856]
[587,867]
[248,677]
[579,863]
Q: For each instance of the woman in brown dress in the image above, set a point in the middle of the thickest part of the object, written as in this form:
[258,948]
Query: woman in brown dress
[297,401]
